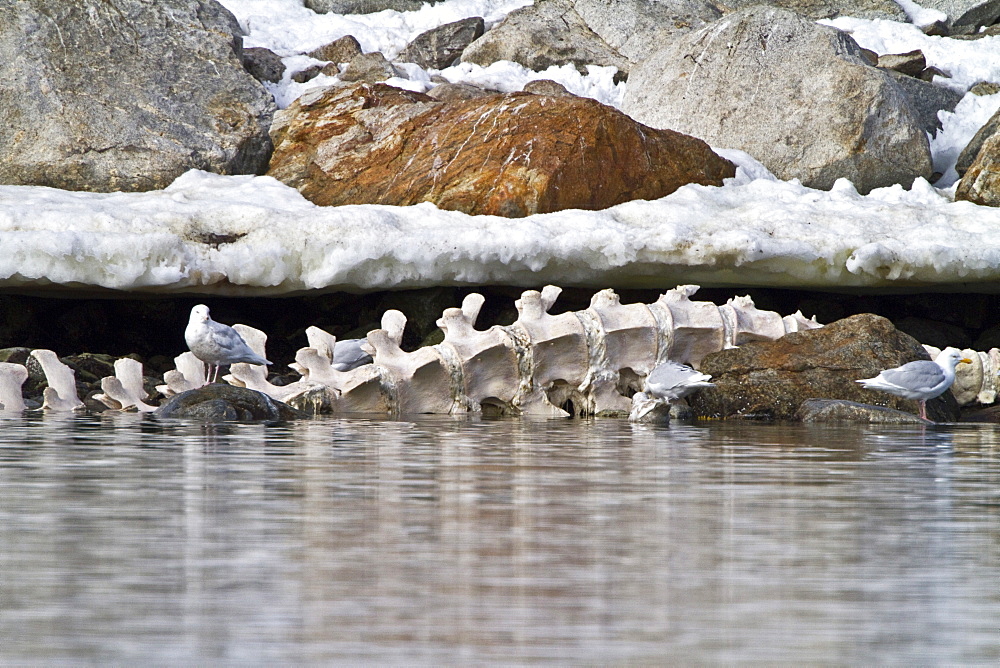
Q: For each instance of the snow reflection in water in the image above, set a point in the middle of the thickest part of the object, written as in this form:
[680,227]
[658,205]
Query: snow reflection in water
[462,541]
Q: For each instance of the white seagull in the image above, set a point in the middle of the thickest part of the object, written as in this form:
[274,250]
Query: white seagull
[920,380]
[668,382]
[216,344]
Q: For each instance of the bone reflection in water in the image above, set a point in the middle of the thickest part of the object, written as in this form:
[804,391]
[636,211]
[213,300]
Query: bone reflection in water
[12,377]
[124,390]
[61,394]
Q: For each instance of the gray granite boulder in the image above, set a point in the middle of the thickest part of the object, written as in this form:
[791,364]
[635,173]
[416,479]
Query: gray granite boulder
[927,99]
[975,145]
[981,182]
[365,6]
[830,9]
[634,28]
[539,36]
[263,64]
[440,47]
[126,96]
[796,95]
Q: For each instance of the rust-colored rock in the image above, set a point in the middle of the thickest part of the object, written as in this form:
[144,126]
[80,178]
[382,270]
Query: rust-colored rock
[771,379]
[510,155]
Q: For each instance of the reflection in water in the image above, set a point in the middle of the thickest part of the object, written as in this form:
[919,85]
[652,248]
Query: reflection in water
[455,540]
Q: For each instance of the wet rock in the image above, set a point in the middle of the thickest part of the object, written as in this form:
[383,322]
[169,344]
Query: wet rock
[374,144]
[542,35]
[440,47]
[796,95]
[989,415]
[219,402]
[370,67]
[834,410]
[126,96]
[263,64]
[341,50]
[15,355]
[318,400]
[771,379]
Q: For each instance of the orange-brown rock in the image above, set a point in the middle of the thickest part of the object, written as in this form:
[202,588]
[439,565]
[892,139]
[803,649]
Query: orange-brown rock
[510,155]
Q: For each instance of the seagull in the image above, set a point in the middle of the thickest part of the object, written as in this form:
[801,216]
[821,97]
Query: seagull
[920,380]
[666,383]
[348,354]
[216,344]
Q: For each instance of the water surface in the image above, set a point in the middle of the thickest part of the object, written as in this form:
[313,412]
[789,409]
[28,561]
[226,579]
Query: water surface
[462,541]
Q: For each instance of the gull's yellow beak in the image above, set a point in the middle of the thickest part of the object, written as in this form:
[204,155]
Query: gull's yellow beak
[965,360]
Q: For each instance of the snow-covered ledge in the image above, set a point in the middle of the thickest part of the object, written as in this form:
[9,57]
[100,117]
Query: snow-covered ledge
[253,235]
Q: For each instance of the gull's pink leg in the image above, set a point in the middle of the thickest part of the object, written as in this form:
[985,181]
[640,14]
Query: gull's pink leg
[923,408]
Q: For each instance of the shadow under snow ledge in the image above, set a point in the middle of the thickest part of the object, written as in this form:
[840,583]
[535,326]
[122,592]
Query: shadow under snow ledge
[252,235]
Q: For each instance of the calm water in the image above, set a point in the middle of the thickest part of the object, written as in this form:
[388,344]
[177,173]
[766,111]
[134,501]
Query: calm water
[125,540]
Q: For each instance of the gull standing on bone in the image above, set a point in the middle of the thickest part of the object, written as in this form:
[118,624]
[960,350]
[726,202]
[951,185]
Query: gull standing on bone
[216,344]
[666,383]
[920,380]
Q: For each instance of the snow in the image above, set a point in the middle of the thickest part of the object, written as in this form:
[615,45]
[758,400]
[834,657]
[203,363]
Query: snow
[253,235]
[751,232]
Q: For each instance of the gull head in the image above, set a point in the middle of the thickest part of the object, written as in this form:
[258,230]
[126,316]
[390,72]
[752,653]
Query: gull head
[199,314]
[951,357]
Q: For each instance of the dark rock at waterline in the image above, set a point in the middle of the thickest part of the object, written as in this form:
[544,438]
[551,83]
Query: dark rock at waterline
[218,402]
[837,410]
[989,415]
[771,379]
[126,95]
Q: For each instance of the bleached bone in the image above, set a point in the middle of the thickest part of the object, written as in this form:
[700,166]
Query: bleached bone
[745,323]
[693,329]
[487,360]
[12,377]
[421,381]
[975,382]
[552,353]
[61,394]
[188,374]
[254,376]
[124,390]
[593,359]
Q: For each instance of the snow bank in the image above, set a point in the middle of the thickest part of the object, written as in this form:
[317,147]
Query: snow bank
[254,235]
